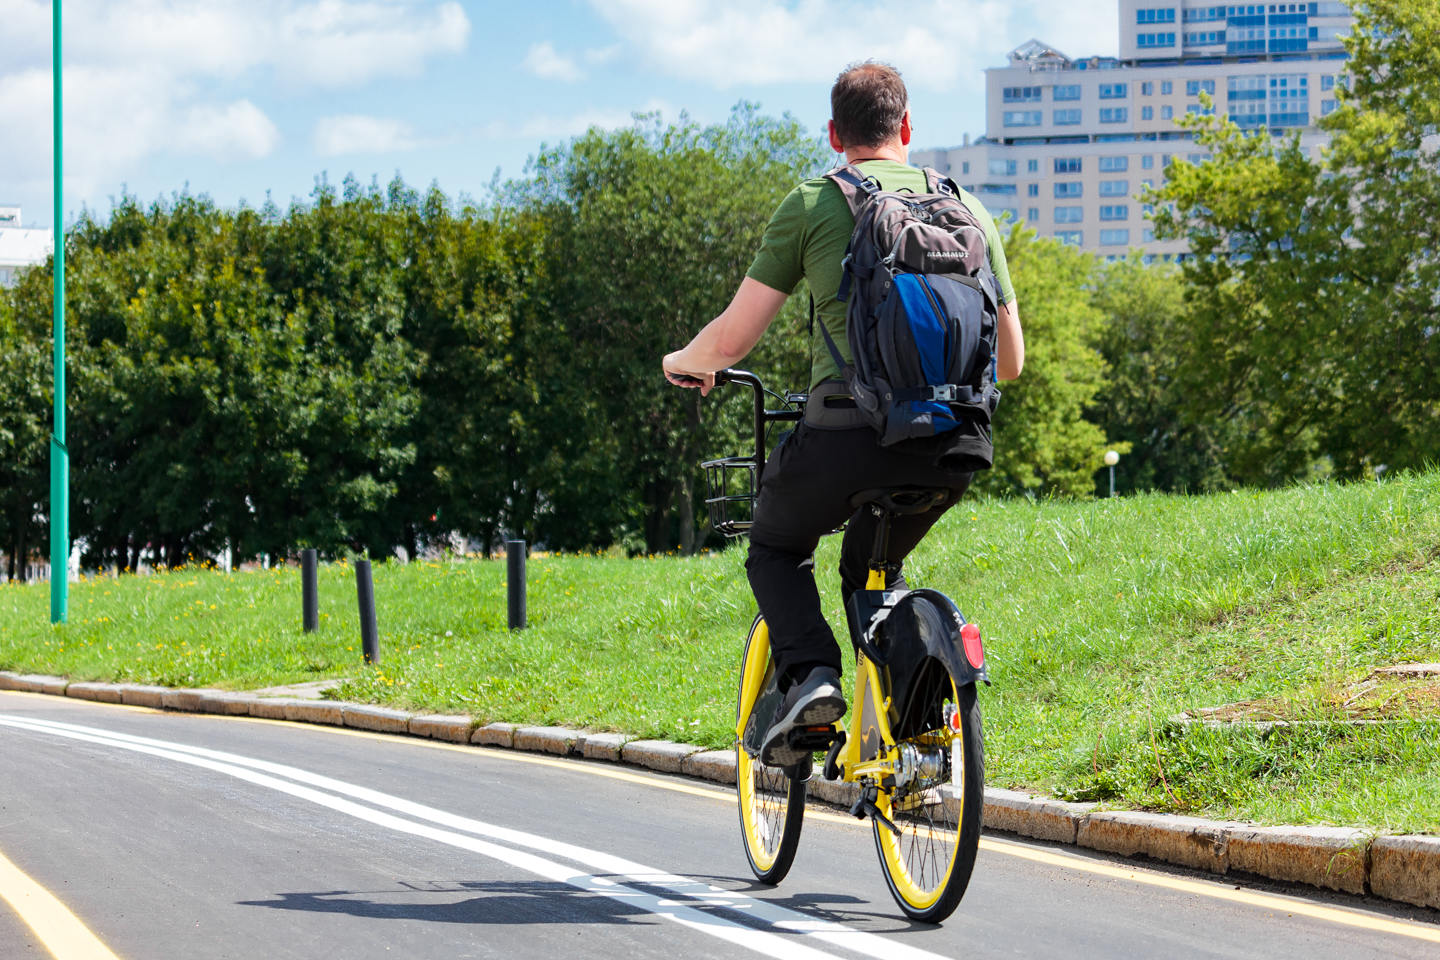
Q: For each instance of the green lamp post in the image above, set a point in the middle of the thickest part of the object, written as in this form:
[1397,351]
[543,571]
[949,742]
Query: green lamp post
[59,455]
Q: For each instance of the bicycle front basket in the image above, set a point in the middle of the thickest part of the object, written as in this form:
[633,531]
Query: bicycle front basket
[732,494]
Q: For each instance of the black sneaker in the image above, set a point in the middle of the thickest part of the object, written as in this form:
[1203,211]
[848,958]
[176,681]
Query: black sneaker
[814,701]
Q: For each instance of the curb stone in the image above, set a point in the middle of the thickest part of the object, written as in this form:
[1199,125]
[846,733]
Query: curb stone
[379,719]
[604,746]
[561,741]
[1406,869]
[1330,857]
[495,735]
[1028,815]
[665,756]
[437,726]
[99,692]
[1187,841]
[1399,868]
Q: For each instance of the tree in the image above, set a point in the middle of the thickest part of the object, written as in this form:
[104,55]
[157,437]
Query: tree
[1147,323]
[1313,281]
[650,230]
[24,428]
[1043,444]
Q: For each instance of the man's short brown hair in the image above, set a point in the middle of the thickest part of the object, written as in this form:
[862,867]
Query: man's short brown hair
[867,104]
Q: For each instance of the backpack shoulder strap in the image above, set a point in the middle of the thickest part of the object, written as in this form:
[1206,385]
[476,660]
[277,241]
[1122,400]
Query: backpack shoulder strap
[854,185]
[936,183]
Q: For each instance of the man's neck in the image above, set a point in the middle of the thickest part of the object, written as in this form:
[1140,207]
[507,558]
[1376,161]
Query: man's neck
[889,151]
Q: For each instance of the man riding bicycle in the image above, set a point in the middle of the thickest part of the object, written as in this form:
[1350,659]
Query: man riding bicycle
[809,480]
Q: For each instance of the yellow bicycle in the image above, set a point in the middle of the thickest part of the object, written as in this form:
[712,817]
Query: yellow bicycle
[913,745]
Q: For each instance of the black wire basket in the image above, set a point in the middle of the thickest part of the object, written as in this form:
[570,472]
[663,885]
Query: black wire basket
[732,494]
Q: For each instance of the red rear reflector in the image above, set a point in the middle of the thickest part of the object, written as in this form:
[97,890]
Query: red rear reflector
[974,651]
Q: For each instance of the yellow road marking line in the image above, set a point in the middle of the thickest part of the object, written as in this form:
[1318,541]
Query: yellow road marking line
[1213,889]
[60,930]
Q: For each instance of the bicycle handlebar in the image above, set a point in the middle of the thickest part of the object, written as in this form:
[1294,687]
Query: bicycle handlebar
[762,415]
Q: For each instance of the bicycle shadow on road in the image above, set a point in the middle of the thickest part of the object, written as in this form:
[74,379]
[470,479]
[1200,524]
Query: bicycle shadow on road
[516,903]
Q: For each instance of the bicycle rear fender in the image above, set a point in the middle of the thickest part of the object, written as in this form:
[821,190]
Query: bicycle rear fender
[924,624]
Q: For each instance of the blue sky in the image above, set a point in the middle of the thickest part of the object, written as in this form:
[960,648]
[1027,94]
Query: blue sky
[234,98]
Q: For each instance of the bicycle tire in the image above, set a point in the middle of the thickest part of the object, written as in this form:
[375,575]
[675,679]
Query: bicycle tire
[928,867]
[772,803]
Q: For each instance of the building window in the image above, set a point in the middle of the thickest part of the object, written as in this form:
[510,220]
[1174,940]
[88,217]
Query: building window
[1032,166]
[1032,190]
[1327,82]
[1114,114]
[1328,107]
[1161,15]
[1115,211]
[1166,88]
[1114,91]
[1147,162]
[1147,236]
[1114,164]
[1068,91]
[1005,213]
[965,167]
[1002,168]
[1115,238]
[1033,214]
[1114,188]
[1147,113]
[1193,87]
[1073,237]
[1150,40]
[1021,94]
[1067,164]
[1167,113]
[1067,118]
[1198,158]
[1023,118]
[1147,88]
[1069,189]
[1197,108]
[1001,189]
[1069,214]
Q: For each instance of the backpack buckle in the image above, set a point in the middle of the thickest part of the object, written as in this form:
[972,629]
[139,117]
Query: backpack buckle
[945,393]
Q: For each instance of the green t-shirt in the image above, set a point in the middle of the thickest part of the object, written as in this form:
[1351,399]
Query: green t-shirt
[806,240]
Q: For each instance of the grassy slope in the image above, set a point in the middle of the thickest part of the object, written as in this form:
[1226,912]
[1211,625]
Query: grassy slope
[1102,620]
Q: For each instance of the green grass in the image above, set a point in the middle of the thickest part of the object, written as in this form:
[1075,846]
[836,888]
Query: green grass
[1102,621]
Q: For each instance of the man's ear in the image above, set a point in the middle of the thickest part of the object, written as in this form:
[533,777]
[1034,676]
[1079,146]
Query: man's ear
[905,131]
[835,143]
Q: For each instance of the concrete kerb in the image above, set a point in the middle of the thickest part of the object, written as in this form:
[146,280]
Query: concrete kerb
[1401,868]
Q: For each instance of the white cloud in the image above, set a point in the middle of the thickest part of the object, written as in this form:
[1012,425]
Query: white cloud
[147,77]
[562,126]
[237,129]
[355,133]
[545,62]
[939,45]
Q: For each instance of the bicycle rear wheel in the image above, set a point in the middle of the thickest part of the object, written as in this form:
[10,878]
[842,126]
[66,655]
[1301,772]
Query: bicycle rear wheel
[939,805]
[772,803]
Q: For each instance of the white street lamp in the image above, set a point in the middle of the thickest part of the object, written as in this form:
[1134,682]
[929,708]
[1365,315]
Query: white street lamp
[1112,458]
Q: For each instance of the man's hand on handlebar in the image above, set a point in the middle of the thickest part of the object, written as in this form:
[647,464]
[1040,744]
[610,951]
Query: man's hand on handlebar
[685,378]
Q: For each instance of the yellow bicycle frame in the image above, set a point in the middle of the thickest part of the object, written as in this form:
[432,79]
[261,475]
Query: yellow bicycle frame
[869,750]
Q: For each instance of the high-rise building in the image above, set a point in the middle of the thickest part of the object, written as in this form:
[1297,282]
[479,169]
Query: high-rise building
[20,247]
[1069,144]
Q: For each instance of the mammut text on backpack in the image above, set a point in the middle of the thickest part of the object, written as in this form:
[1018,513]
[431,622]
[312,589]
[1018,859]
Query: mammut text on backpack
[920,319]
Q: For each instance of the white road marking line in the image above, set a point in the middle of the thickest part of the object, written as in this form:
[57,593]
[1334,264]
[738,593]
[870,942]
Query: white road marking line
[802,925]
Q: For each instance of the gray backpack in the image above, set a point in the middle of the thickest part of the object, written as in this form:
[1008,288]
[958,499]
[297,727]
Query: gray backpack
[921,305]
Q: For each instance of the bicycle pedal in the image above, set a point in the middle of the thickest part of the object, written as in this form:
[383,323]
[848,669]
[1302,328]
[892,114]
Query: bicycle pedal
[814,737]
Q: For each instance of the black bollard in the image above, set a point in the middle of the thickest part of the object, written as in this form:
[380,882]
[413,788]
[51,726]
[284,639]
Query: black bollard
[515,577]
[309,590]
[365,589]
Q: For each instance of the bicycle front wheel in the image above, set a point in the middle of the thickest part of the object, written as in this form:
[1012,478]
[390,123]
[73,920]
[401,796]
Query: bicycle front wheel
[938,808]
[772,804]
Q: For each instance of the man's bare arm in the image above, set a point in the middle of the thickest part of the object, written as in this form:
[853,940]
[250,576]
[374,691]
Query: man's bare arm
[1010,342]
[728,338]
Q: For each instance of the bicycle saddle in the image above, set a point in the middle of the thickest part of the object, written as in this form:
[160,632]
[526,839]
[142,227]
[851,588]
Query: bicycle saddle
[901,501]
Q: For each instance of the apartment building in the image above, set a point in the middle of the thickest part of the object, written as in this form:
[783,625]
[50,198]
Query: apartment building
[1070,144]
[20,247]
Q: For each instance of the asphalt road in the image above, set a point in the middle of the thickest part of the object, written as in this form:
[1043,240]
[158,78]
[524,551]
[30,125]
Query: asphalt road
[177,835]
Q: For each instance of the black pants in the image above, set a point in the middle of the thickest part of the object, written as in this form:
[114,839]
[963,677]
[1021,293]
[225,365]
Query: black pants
[804,494]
